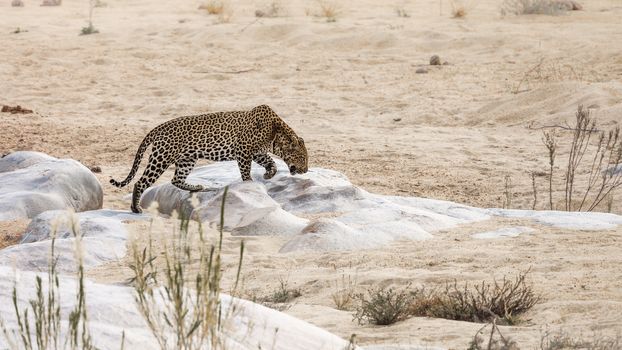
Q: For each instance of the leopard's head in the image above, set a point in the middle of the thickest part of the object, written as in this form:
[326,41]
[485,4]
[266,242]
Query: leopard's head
[293,151]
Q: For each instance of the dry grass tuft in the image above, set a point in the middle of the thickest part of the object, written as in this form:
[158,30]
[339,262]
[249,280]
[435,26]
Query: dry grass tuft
[213,7]
[329,10]
[344,293]
[282,294]
[458,9]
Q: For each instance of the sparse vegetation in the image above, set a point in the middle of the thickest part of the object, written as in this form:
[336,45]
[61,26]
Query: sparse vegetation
[344,293]
[383,306]
[564,341]
[175,301]
[17,3]
[533,7]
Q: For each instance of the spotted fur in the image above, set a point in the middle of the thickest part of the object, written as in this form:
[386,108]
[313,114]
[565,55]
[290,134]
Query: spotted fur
[243,136]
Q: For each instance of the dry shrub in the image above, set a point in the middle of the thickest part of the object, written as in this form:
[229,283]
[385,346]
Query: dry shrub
[504,300]
[17,3]
[383,306]
[213,7]
[533,7]
[401,12]
[344,293]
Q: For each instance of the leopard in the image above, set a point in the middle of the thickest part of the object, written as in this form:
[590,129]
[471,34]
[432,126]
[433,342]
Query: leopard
[241,136]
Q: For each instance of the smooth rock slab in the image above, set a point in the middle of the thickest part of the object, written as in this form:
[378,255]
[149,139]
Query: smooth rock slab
[33,182]
[321,210]
[112,310]
[103,239]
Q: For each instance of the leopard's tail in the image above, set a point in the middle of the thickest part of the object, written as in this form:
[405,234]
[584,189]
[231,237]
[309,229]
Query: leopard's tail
[139,156]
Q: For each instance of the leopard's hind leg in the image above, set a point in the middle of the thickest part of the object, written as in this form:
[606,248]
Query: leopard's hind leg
[183,167]
[156,166]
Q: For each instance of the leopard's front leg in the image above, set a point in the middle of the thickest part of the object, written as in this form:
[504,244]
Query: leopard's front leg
[268,163]
[244,163]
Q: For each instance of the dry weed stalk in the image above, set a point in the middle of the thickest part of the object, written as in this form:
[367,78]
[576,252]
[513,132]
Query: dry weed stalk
[493,344]
[507,203]
[46,330]
[552,70]
[183,310]
[534,190]
[550,141]
[603,178]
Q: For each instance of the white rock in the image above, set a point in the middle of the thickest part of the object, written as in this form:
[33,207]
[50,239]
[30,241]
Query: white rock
[562,219]
[503,232]
[358,219]
[103,239]
[32,182]
[112,310]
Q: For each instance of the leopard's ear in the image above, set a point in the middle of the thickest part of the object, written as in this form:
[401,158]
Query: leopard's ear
[301,140]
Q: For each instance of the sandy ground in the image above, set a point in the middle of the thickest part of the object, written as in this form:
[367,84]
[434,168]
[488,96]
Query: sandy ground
[350,88]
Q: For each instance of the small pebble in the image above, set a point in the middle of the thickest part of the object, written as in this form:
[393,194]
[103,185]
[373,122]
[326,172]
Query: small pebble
[435,60]
[421,71]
